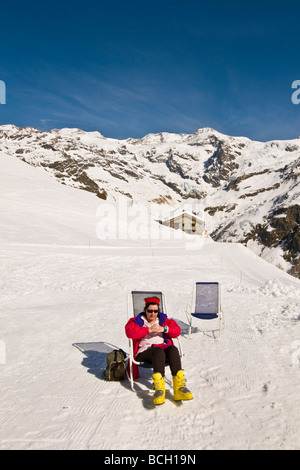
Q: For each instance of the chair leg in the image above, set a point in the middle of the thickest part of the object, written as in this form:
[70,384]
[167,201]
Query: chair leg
[190,330]
[132,384]
[222,324]
[221,327]
[130,374]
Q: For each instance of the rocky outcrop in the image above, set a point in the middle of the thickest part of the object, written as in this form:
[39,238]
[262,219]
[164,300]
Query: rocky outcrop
[221,165]
[281,228]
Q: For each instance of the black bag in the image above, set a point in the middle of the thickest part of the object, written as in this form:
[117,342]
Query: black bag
[116,367]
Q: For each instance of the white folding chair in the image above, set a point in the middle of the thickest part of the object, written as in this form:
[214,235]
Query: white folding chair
[136,305]
[206,306]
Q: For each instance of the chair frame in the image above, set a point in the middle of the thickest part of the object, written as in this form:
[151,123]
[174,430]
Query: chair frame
[207,316]
[130,313]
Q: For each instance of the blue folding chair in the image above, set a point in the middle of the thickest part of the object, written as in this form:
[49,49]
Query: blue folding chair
[207,306]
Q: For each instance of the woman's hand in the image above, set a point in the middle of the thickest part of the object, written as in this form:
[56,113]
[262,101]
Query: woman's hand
[156,329]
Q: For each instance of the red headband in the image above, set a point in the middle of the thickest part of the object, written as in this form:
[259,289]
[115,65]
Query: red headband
[152,300]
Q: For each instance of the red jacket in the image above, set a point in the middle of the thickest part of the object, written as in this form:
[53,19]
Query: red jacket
[136,330]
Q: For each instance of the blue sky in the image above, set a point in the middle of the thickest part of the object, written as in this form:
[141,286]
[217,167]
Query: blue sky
[128,68]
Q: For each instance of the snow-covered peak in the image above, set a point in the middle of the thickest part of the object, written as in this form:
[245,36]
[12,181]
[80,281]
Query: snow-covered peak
[243,185]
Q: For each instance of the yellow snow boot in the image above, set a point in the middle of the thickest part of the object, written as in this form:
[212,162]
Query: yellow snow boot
[159,387]
[181,392]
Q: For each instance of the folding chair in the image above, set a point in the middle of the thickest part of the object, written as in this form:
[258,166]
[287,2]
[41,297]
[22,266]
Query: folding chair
[207,303]
[136,304]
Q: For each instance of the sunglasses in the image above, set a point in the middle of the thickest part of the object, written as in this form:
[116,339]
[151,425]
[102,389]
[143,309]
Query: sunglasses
[152,311]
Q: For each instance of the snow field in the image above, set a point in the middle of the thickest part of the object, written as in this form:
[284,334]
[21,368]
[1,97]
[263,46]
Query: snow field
[57,290]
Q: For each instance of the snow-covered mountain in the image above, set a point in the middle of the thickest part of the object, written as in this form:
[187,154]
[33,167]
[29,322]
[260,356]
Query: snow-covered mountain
[250,190]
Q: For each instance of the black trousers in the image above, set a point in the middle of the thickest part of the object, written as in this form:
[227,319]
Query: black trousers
[159,357]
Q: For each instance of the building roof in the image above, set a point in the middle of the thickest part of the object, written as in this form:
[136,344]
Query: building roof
[180,212]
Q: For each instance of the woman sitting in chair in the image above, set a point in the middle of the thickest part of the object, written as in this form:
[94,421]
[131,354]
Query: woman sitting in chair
[152,332]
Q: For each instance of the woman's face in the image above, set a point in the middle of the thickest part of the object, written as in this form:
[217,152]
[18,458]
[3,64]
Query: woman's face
[152,313]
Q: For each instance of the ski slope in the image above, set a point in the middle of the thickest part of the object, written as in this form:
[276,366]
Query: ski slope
[61,285]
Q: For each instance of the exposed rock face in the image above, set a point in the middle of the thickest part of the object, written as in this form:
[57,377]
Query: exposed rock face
[69,169]
[282,227]
[250,190]
[221,165]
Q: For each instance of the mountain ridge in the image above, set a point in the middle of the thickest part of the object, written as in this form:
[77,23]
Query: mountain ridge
[249,189]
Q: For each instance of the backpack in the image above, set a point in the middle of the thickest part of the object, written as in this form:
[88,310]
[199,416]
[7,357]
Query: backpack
[116,367]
